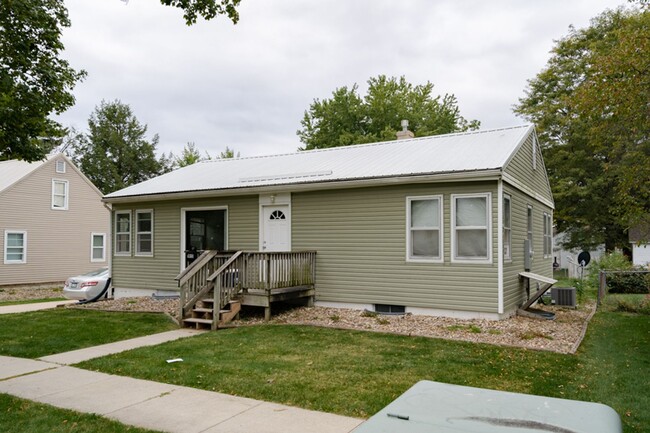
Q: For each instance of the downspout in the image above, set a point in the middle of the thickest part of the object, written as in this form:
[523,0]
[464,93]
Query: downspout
[500,244]
[109,251]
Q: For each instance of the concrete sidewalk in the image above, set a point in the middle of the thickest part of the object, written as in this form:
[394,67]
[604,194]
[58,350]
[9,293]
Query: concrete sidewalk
[25,308]
[158,406]
[75,356]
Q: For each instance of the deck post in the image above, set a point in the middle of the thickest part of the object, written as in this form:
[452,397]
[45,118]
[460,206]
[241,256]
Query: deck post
[267,313]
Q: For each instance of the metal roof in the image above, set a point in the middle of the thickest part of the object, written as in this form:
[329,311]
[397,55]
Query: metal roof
[450,153]
[13,170]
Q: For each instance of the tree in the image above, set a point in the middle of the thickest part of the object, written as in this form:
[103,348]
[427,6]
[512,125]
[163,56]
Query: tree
[114,153]
[347,118]
[228,153]
[189,156]
[34,81]
[590,105]
[207,9]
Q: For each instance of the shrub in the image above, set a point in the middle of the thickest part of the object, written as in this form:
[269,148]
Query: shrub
[633,283]
[615,261]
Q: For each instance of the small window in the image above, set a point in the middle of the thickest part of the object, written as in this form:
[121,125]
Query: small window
[277,215]
[424,236]
[123,233]
[529,230]
[390,309]
[144,233]
[59,194]
[548,237]
[60,166]
[15,247]
[98,247]
[507,228]
[471,227]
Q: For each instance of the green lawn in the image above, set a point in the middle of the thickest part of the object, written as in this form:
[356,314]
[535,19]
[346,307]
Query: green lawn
[30,301]
[357,373]
[20,416]
[41,333]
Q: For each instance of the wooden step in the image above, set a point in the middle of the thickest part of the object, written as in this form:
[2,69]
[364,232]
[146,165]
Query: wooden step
[196,320]
[202,310]
[226,316]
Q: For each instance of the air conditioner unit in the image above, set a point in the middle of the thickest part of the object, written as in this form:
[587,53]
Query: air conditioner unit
[564,296]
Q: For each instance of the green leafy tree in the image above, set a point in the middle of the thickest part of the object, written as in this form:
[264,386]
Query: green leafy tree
[590,106]
[190,155]
[115,153]
[34,81]
[347,118]
[228,153]
[208,9]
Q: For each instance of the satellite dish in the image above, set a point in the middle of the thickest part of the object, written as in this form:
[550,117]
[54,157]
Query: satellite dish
[584,258]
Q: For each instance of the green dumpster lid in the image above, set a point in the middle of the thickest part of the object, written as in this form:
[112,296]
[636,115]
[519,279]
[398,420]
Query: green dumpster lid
[435,407]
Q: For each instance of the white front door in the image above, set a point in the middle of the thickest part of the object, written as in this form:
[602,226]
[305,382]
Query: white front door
[277,228]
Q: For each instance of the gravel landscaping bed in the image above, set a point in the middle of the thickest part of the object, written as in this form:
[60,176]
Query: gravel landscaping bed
[562,335]
[25,293]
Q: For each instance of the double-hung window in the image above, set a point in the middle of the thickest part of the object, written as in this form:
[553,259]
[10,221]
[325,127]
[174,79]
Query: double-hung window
[529,229]
[123,233]
[59,194]
[97,247]
[424,226]
[144,232]
[471,227]
[15,247]
[507,228]
[548,237]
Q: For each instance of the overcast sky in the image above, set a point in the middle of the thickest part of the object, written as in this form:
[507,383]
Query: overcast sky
[246,86]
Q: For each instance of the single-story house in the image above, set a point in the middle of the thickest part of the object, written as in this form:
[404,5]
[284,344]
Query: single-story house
[433,225]
[53,223]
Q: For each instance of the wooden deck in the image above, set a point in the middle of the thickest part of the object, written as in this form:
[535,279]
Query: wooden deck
[213,287]
[265,298]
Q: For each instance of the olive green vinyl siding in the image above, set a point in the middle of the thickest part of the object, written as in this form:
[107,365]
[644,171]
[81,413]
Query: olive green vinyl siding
[520,168]
[158,272]
[514,291]
[360,239]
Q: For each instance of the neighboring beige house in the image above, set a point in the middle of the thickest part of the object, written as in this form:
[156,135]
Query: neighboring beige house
[53,224]
[433,225]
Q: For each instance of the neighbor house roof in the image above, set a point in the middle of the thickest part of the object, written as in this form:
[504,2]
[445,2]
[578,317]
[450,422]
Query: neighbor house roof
[478,152]
[14,170]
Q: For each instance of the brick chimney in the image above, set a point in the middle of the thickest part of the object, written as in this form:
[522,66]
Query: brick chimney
[405,133]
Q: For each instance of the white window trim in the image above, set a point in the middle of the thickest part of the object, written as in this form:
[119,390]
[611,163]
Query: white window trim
[115,243]
[508,257]
[488,205]
[15,262]
[409,258]
[62,165]
[138,253]
[548,235]
[92,247]
[530,223]
[66,197]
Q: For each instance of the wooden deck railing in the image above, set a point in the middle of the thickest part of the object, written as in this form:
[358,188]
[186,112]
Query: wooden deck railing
[230,273]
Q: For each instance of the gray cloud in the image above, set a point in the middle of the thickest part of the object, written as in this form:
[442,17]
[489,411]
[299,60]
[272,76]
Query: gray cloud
[246,86]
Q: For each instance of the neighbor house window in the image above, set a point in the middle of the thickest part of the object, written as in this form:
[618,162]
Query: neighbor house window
[59,194]
[424,237]
[98,247]
[60,166]
[144,232]
[471,227]
[123,233]
[548,238]
[529,230]
[507,228]
[15,247]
